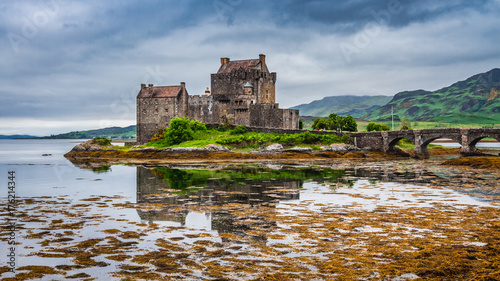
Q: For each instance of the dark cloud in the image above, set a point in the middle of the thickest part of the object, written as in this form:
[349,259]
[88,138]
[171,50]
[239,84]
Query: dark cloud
[344,15]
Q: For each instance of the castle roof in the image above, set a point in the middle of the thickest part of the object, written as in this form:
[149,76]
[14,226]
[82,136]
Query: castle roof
[237,64]
[160,92]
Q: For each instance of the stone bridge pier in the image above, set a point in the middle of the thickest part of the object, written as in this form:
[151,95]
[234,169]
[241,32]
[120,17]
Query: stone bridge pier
[386,140]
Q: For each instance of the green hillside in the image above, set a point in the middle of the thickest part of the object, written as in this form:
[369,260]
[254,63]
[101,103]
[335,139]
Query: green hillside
[475,100]
[356,106]
[111,132]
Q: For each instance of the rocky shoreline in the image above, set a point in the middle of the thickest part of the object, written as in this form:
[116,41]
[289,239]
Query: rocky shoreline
[89,151]
[92,152]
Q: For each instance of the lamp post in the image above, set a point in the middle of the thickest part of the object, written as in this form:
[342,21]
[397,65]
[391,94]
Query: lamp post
[392,115]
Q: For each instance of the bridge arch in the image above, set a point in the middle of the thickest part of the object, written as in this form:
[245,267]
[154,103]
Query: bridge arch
[392,142]
[473,140]
[391,138]
[423,149]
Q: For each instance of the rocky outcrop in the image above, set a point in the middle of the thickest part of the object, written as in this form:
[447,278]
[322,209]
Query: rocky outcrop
[89,146]
[273,148]
[183,149]
[340,148]
[216,148]
[299,149]
[146,149]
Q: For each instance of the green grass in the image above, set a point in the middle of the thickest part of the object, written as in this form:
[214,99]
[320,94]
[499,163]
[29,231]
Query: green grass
[253,140]
[201,139]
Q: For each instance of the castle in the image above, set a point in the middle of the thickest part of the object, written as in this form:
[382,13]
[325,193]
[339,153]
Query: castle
[243,93]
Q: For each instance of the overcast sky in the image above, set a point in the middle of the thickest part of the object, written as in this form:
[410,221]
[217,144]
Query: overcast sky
[77,65]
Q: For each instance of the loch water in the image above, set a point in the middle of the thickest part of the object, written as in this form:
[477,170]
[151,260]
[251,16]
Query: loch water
[232,221]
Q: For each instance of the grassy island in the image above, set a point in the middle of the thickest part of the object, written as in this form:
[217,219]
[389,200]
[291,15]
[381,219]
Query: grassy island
[187,139]
[190,133]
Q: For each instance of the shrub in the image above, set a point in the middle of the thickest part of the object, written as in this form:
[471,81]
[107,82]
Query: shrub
[196,125]
[179,131]
[310,137]
[374,127]
[101,141]
[158,135]
[239,130]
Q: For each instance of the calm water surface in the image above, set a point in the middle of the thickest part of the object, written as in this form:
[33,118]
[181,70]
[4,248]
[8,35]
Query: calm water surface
[193,204]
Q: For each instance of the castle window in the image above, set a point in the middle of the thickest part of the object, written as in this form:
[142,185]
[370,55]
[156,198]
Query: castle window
[156,111]
[144,111]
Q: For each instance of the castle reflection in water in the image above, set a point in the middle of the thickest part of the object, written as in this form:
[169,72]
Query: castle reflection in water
[176,193]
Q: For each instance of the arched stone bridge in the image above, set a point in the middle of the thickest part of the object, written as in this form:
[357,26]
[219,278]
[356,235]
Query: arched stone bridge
[386,140]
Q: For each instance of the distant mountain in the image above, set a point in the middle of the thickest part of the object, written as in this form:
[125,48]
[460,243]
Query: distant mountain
[16,137]
[356,106]
[111,132]
[475,100]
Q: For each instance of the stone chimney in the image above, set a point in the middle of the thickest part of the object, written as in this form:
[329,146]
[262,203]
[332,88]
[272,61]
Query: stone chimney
[223,61]
[150,85]
[262,59]
[183,85]
[143,86]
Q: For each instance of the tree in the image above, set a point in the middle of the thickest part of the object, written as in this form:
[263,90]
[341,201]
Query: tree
[301,124]
[405,124]
[333,121]
[320,124]
[348,124]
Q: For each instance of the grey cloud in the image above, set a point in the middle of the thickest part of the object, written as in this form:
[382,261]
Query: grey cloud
[88,62]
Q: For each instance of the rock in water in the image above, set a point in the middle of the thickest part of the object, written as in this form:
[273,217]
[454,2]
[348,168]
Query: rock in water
[89,146]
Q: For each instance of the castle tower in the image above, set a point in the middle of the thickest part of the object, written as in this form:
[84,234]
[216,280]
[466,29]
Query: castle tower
[229,81]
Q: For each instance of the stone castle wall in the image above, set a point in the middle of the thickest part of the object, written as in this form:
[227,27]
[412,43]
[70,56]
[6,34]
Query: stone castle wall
[201,108]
